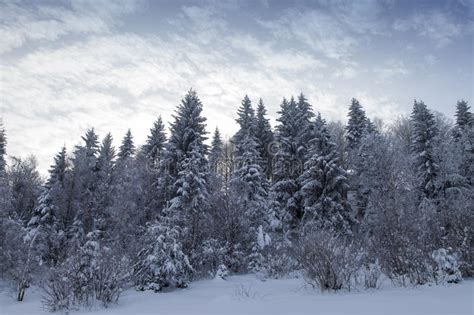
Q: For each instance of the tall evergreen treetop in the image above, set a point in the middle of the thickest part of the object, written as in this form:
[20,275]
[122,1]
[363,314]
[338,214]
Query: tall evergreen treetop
[356,124]
[263,130]
[287,167]
[155,142]
[188,129]
[217,149]
[305,134]
[324,186]
[3,147]
[57,171]
[423,138]
[247,123]
[91,142]
[106,156]
[464,119]
[127,149]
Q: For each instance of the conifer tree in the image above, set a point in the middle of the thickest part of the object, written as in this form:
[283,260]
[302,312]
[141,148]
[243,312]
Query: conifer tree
[3,149]
[105,178]
[356,124]
[463,133]
[155,143]
[306,133]
[148,160]
[464,119]
[249,191]
[264,138]
[5,197]
[127,148]
[287,167]
[216,152]
[324,186]
[85,187]
[423,142]
[57,172]
[186,163]
[247,122]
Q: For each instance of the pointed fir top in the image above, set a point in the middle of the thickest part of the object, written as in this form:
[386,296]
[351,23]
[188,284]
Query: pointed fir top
[305,107]
[261,110]
[127,149]
[463,115]
[156,140]
[3,147]
[58,169]
[91,142]
[107,151]
[188,129]
[356,124]
[217,148]
[246,116]
[216,139]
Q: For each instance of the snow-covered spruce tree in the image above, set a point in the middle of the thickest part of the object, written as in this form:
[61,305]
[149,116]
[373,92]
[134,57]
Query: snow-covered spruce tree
[3,148]
[186,167]
[464,119]
[84,173]
[216,152]
[249,189]
[287,167]
[148,160]
[247,122]
[44,227]
[362,163]
[125,211]
[127,148]
[423,142]
[162,262]
[463,133]
[264,138]
[155,143]
[5,197]
[188,127]
[304,121]
[324,186]
[356,124]
[105,178]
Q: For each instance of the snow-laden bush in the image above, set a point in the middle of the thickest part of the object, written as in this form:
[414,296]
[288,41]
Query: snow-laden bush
[162,263]
[222,272]
[256,259]
[372,273]
[328,262]
[446,266]
[280,260]
[92,275]
[209,257]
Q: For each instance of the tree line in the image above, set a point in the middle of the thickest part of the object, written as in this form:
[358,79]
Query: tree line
[343,204]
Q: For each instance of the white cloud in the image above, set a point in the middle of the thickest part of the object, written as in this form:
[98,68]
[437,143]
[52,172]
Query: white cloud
[392,69]
[20,24]
[440,27]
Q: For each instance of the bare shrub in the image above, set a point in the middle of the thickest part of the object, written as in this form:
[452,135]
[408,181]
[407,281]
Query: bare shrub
[243,292]
[328,262]
[89,277]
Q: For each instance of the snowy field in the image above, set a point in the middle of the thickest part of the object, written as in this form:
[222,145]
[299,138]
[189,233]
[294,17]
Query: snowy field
[248,295]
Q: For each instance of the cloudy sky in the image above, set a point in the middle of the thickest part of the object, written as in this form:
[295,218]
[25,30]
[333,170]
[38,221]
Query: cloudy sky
[66,66]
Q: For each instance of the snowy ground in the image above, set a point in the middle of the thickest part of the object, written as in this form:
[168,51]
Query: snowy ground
[289,296]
